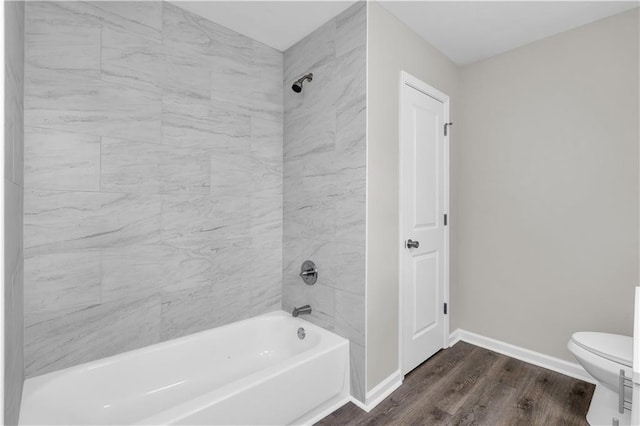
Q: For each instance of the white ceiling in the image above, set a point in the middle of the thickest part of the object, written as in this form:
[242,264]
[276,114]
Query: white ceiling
[279,24]
[465,31]
[468,31]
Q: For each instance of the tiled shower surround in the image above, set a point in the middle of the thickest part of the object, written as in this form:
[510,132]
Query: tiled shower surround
[13,215]
[153,178]
[325,179]
[174,182]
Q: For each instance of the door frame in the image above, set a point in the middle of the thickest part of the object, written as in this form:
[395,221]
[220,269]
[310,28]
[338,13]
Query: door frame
[411,81]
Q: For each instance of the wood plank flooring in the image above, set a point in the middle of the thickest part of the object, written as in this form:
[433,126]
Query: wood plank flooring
[468,385]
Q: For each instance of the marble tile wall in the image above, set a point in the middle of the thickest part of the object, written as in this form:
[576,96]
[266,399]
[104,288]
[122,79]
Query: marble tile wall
[325,179]
[153,178]
[13,214]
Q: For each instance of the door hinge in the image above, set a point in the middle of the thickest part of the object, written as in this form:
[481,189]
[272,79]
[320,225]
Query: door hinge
[446,128]
[445,308]
[445,219]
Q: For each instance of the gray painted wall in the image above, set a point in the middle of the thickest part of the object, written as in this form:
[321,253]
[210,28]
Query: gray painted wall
[324,179]
[13,213]
[153,178]
[544,185]
[394,47]
[548,188]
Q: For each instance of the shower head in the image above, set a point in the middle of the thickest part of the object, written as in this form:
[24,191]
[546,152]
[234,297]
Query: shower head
[297,86]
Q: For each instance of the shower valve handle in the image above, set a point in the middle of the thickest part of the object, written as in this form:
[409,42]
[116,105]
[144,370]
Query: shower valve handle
[309,272]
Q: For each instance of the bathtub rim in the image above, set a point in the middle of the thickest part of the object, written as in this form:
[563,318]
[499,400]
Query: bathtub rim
[35,384]
[102,362]
[174,414]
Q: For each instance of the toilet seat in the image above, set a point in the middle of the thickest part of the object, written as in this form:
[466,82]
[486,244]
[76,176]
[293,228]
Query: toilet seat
[613,347]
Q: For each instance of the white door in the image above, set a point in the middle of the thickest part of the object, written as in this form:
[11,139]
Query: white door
[423,203]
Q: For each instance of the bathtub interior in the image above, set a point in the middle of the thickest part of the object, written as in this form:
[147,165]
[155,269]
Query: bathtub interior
[129,387]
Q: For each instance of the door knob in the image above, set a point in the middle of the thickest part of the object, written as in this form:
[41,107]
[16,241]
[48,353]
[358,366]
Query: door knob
[413,244]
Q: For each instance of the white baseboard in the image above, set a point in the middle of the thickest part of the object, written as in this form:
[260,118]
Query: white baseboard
[376,395]
[361,405]
[558,365]
[320,413]
[454,337]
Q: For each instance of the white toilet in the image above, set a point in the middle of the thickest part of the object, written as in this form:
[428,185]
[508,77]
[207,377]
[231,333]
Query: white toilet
[603,355]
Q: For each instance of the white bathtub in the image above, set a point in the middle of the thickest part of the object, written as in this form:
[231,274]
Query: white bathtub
[255,371]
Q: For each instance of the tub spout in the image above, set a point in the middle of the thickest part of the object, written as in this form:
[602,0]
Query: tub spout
[302,310]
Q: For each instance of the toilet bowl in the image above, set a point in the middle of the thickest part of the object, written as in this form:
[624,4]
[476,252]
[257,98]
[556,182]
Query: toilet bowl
[603,355]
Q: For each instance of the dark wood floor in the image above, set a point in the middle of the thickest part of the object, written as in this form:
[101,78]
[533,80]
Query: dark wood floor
[468,385]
